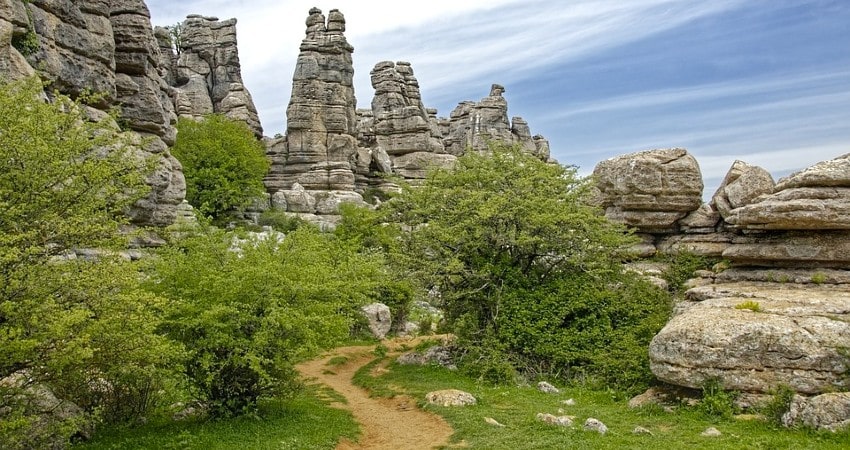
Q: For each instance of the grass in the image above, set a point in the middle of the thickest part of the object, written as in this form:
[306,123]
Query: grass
[516,407]
[303,422]
[749,305]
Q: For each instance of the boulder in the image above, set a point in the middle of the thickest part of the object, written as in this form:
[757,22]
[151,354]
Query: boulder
[379,318]
[829,411]
[742,185]
[754,336]
[450,397]
[650,190]
[596,425]
[551,419]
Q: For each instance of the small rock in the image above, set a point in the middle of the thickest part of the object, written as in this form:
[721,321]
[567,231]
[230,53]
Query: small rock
[596,425]
[493,422]
[569,402]
[547,388]
[450,397]
[641,430]
[561,421]
[711,432]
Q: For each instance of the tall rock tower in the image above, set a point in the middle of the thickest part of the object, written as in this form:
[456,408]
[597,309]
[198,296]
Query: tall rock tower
[313,165]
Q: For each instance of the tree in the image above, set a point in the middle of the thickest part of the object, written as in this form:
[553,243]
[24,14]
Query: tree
[528,269]
[246,311]
[224,164]
[83,328]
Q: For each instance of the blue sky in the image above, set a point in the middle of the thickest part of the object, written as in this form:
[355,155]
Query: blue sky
[764,81]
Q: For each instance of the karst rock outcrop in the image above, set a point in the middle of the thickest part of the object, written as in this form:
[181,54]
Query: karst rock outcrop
[333,153]
[201,59]
[106,48]
[781,315]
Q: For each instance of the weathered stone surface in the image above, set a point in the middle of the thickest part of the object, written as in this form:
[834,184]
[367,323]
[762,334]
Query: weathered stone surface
[596,425]
[793,339]
[380,319]
[829,411]
[816,198]
[742,185]
[551,419]
[107,48]
[713,244]
[439,355]
[416,165]
[650,190]
[548,388]
[321,145]
[701,220]
[791,249]
[450,397]
[206,71]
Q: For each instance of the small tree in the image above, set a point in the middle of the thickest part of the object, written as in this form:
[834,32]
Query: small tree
[526,266]
[224,164]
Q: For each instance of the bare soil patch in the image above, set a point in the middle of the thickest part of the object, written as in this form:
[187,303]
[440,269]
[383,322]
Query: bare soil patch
[386,423]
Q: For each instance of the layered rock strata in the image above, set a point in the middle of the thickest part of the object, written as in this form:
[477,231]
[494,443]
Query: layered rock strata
[203,66]
[106,48]
[317,157]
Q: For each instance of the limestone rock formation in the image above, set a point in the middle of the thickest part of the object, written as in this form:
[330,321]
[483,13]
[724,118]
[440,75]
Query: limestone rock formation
[379,318]
[742,185]
[205,70]
[823,412]
[755,336]
[317,157]
[817,198]
[450,397]
[106,48]
[475,125]
[650,190]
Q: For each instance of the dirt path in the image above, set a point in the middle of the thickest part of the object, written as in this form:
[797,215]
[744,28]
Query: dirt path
[391,424]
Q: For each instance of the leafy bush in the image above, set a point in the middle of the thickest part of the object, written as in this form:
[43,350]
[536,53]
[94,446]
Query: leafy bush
[749,305]
[778,405]
[522,259]
[224,164]
[681,268]
[280,220]
[246,317]
[81,328]
[717,402]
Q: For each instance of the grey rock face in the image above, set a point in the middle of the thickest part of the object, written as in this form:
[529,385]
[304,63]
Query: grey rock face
[816,198]
[450,397]
[380,319]
[650,190]
[106,48]
[794,338]
[742,185]
[823,412]
[320,145]
[206,73]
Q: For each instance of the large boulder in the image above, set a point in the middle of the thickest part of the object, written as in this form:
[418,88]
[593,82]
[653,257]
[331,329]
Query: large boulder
[650,190]
[755,336]
[742,185]
[823,412]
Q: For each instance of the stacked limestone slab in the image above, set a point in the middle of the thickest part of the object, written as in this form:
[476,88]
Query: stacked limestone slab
[205,71]
[781,315]
[106,48]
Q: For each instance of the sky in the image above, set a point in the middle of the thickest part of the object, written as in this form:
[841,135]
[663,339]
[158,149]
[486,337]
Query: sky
[763,81]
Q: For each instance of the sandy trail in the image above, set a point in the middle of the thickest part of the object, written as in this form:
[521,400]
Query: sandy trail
[391,424]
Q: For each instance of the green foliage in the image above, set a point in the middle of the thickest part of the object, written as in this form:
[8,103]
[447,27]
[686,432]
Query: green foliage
[818,278]
[280,220]
[246,316]
[28,42]
[682,266]
[521,259]
[778,405]
[717,402]
[224,164]
[175,35]
[750,305]
[83,329]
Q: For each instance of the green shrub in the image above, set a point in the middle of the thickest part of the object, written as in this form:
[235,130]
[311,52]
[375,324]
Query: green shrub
[521,258]
[778,405]
[223,162]
[246,317]
[280,220]
[717,402]
[750,305]
[819,278]
[681,268]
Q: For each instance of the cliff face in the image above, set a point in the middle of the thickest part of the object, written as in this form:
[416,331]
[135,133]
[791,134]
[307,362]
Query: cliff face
[204,69]
[104,47]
